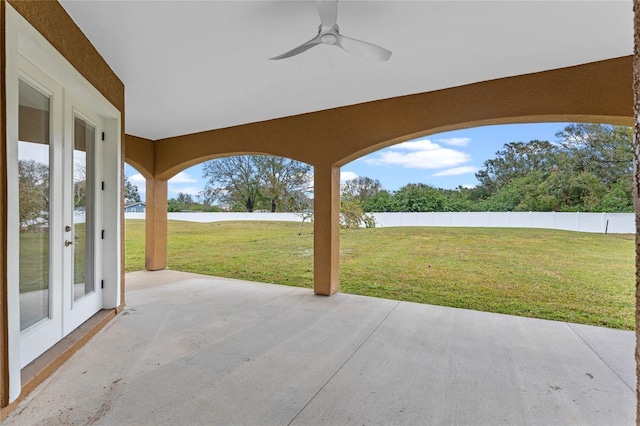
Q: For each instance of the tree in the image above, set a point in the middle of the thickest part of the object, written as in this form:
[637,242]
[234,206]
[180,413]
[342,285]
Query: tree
[233,180]
[282,181]
[33,190]
[604,150]
[181,203]
[303,208]
[79,186]
[173,205]
[131,194]
[589,169]
[419,197]
[185,200]
[354,193]
[246,181]
[382,201]
[458,200]
[352,215]
[523,193]
[617,199]
[361,188]
[516,160]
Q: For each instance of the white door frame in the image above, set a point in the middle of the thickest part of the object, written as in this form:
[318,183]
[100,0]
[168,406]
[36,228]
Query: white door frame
[75,312]
[21,39]
[47,332]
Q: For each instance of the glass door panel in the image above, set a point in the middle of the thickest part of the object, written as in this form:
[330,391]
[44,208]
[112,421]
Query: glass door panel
[56,218]
[83,182]
[58,208]
[82,295]
[34,206]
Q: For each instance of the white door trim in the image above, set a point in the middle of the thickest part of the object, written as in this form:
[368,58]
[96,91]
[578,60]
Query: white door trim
[21,39]
[39,337]
[75,312]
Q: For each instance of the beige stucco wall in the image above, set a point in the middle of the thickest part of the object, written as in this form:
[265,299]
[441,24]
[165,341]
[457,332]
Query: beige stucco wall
[597,92]
[140,154]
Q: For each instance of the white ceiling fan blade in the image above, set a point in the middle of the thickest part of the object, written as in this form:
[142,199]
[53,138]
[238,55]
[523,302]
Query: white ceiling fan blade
[363,49]
[328,11]
[329,33]
[302,48]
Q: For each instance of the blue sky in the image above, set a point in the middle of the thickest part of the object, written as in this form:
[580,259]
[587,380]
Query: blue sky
[444,160]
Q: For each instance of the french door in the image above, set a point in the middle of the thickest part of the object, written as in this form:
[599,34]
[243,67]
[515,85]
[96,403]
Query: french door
[59,208]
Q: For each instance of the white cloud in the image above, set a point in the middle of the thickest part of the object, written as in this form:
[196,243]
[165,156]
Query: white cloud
[469,185]
[345,176]
[420,154]
[457,171]
[137,179]
[139,182]
[182,177]
[419,145]
[191,190]
[455,141]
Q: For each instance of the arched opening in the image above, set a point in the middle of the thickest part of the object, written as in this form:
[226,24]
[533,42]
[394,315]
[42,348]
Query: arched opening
[570,175]
[134,187]
[246,216]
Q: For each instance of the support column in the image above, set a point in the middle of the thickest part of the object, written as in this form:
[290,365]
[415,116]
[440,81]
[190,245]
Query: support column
[156,225]
[326,229]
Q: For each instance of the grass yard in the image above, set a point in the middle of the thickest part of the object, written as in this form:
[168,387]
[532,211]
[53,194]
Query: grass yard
[558,275]
[34,258]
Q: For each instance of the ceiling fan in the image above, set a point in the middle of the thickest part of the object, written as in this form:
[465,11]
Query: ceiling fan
[329,33]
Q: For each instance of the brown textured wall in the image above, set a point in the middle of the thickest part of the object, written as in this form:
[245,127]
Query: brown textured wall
[636,195]
[326,230]
[140,154]
[4,332]
[597,92]
[156,225]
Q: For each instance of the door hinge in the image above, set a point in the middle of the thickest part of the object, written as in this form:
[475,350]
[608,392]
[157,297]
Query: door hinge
[102,234]
[101,283]
[103,136]
[103,185]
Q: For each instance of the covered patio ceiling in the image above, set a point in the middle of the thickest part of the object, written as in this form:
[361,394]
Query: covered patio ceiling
[192,66]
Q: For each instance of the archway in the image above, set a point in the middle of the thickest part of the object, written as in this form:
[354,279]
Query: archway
[134,215]
[265,188]
[454,232]
[594,92]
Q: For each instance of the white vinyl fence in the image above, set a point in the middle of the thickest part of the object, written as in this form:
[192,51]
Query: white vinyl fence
[612,223]
[224,216]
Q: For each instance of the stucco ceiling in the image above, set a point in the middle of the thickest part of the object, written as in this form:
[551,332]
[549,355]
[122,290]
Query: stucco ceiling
[191,66]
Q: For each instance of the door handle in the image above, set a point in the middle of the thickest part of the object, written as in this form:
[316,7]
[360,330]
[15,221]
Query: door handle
[67,243]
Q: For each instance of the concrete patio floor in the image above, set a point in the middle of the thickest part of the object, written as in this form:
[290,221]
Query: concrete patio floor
[191,349]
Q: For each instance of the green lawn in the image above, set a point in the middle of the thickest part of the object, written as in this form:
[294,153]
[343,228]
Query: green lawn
[560,275]
[34,258]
